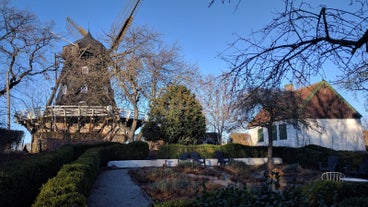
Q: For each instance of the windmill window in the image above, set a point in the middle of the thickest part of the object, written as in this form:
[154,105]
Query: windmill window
[260,135]
[84,89]
[64,89]
[85,70]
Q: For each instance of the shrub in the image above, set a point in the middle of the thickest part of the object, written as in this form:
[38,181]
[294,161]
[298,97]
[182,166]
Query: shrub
[331,193]
[354,202]
[174,150]
[10,139]
[175,203]
[75,179]
[132,151]
[23,178]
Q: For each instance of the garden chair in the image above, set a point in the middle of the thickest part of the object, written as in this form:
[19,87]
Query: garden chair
[331,164]
[221,160]
[183,157]
[196,158]
[334,176]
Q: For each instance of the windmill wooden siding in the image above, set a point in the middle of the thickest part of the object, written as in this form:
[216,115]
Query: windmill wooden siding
[335,123]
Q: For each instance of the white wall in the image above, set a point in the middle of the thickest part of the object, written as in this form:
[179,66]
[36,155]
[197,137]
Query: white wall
[337,134]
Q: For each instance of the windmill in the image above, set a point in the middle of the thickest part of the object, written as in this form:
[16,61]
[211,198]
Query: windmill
[84,109]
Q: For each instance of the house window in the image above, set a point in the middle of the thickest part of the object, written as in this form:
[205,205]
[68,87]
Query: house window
[282,132]
[85,70]
[274,132]
[260,135]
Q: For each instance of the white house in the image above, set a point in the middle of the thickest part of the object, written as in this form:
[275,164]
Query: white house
[335,123]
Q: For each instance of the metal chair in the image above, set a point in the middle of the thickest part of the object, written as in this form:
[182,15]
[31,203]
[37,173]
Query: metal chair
[183,157]
[196,158]
[334,176]
[221,160]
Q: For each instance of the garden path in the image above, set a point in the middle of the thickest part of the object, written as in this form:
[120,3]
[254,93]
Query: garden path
[115,188]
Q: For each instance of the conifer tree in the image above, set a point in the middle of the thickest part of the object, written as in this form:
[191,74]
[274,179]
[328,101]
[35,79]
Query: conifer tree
[178,116]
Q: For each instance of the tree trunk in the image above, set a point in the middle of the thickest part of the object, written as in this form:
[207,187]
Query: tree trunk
[269,148]
[133,128]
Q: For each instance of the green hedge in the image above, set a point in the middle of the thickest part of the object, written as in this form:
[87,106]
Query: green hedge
[74,181]
[208,150]
[71,185]
[307,157]
[20,180]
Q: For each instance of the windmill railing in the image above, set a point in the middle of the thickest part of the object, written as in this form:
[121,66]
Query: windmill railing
[75,111]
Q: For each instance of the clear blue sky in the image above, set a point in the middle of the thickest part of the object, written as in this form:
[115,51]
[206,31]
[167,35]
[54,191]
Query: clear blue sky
[202,32]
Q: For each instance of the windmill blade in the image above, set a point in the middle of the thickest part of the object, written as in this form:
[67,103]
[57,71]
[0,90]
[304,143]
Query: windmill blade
[72,26]
[124,25]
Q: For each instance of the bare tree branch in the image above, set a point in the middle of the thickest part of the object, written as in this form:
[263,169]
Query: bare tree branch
[24,42]
[297,43]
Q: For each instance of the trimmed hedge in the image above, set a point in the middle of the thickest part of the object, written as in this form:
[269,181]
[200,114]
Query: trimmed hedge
[23,178]
[73,183]
[307,157]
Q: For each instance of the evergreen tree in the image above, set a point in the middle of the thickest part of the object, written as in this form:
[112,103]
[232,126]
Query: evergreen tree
[178,115]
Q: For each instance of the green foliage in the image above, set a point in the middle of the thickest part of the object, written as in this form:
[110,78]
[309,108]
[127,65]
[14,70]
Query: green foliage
[10,139]
[306,157]
[178,115]
[151,131]
[354,202]
[174,150]
[25,177]
[132,151]
[74,181]
[175,203]
[238,150]
[329,193]
[207,151]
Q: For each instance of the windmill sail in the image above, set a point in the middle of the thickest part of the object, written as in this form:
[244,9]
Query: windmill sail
[124,25]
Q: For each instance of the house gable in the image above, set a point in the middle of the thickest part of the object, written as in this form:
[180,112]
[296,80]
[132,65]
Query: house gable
[335,123]
[321,101]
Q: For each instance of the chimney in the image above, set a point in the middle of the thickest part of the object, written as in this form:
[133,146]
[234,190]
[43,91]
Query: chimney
[289,87]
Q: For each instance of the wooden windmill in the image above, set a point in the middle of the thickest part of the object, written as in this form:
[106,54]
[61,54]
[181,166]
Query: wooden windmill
[84,109]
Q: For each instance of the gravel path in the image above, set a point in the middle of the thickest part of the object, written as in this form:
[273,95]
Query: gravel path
[115,188]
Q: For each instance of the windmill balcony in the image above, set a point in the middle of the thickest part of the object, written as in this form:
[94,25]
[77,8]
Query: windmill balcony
[74,111]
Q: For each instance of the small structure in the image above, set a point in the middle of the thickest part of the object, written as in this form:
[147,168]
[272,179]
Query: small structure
[335,123]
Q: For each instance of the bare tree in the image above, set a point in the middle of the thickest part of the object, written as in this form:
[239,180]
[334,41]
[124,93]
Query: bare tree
[297,43]
[216,98]
[262,107]
[24,43]
[144,68]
